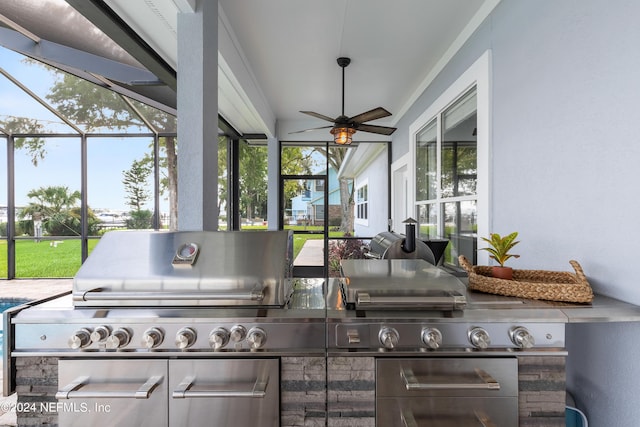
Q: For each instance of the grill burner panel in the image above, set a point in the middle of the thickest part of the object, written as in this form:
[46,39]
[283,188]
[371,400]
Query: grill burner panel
[56,327]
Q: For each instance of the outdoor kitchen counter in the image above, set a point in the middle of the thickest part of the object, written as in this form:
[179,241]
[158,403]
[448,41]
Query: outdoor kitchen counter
[487,307]
[602,310]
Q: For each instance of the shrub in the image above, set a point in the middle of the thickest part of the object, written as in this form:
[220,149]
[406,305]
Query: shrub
[343,249]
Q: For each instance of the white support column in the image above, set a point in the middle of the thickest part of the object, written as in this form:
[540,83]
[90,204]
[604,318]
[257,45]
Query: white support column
[273,184]
[198,117]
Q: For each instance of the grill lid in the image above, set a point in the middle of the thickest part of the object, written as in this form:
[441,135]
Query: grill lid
[400,283]
[390,245]
[188,268]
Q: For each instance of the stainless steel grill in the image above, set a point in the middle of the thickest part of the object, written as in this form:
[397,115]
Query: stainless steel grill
[442,355]
[390,245]
[202,323]
[195,322]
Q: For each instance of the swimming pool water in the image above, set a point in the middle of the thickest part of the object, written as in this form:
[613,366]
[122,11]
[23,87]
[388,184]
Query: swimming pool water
[6,303]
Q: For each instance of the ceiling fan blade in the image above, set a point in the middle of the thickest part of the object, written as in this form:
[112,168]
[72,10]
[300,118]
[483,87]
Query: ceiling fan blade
[376,113]
[319,116]
[382,130]
[309,130]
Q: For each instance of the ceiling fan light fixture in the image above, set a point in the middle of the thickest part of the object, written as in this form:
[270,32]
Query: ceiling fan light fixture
[344,126]
[342,135]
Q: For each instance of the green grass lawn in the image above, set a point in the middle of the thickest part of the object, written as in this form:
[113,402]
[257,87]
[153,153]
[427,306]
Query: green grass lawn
[43,259]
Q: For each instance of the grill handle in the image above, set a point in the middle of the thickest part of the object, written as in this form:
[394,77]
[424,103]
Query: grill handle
[98,294]
[487,382]
[372,255]
[447,302]
[259,390]
[408,420]
[72,390]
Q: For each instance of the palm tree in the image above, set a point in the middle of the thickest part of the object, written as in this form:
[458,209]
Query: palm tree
[54,205]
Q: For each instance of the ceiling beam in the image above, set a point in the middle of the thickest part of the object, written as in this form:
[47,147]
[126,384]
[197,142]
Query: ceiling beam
[115,28]
[185,6]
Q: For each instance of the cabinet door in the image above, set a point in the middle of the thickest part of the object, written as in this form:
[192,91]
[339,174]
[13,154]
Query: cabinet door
[101,393]
[224,392]
[464,377]
[447,392]
[447,412]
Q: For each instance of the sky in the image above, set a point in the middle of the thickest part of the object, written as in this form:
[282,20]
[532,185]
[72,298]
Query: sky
[107,157]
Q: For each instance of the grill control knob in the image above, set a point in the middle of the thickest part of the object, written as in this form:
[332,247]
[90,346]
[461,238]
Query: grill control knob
[218,338]
[238,333]
[80,339]
[100,334]
[432,338]
[152,338]
[521,337]
[118,339]
[479,338]
[185,338]
[256,338]
[389,338]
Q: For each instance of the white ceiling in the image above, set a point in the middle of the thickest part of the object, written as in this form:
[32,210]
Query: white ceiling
[284,54]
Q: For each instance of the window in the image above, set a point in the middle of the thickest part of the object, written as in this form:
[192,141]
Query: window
[446,175]
[362,203]
[450,154]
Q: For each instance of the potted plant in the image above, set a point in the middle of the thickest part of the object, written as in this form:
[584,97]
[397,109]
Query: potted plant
[499,250]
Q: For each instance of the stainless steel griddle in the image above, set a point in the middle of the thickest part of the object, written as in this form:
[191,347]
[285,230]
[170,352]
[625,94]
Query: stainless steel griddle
[400,284]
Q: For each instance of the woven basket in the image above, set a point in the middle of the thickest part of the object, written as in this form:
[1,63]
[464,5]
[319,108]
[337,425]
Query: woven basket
[534,284]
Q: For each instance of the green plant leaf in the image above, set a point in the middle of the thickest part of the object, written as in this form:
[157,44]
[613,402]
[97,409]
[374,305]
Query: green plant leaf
[500,246]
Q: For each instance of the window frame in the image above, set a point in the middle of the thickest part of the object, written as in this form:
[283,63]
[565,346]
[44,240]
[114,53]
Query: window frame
[478,75]
[363,220]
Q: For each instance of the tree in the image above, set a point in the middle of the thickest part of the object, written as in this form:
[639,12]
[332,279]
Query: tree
[50,201]
[135,185]
[253,180]
[35,145]
[335,157]
[295,161]
[223,186]
[98,108]
[55,205]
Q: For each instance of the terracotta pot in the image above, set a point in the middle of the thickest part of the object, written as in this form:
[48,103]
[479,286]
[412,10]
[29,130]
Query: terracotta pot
[502,272]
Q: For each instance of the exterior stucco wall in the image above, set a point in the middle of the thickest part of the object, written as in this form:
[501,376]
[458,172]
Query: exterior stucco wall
[563,154]
[376,178]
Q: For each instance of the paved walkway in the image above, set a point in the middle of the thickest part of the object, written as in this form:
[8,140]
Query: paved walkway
[31,290]
[312,253]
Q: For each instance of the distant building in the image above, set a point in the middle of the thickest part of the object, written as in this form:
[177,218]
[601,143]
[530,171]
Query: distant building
[308,207]
[367,166]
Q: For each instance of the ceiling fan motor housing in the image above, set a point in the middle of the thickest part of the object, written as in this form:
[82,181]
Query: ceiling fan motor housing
[344,61]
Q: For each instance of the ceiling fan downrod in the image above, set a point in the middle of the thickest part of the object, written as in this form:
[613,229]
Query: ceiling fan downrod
[343,62]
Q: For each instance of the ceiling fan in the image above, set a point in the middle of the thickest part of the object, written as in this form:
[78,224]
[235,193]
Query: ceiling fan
[344,127]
